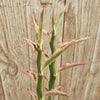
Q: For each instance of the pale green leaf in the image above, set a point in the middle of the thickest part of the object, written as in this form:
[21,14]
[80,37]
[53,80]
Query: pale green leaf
[55,92]
[54,56]
[74,41]
[69,65]
[59,18]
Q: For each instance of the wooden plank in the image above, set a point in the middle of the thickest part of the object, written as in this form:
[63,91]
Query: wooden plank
[81,19]
[93,83]
[68,55]
[79,79]
[2,95]
[46,2]
[14,52]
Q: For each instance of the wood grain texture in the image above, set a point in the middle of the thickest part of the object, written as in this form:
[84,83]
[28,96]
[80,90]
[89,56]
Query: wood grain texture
[81,19]
[2,96]
[13,51]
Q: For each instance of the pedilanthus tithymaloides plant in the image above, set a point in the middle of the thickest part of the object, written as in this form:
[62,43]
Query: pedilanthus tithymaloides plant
[50,61]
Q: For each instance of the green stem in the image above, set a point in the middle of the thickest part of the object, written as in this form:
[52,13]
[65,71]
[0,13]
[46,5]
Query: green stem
[39,87]
[52,66]
[40,75]
[39,56]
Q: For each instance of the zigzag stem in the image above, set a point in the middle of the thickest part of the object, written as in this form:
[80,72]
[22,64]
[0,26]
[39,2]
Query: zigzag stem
[52,66]
[40,75]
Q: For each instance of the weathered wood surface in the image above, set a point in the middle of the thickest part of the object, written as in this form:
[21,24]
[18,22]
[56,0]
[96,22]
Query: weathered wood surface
[82,18]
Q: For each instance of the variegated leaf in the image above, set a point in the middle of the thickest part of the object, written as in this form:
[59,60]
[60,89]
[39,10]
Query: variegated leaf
[69,65]
[45,54]
[45,78]
[36,28]
[54,56]
[59,19]
[46,89]
[33,94]
[74,41]
[34,75]
[55,92]
[59,86]
[44,31]
[32,44]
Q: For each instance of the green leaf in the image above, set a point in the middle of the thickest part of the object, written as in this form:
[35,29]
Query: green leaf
[54,56]
[59,19]
[69,65]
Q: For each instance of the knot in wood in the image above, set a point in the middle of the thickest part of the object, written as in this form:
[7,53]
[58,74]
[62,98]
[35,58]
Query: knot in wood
[13,70]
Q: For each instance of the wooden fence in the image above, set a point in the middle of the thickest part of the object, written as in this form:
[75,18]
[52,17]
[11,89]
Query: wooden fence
[81,19]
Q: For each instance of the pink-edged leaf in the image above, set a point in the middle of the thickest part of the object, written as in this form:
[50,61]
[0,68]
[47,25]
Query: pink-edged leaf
[27,72]
[34,75]
[69,65]
[59,18]
[74,41]
[33,94]
[44,31]
[45,78]
[46,89]
[54,56]
[55,92]
[30,23]
[29,41]
[32,44]
[60,86]
[35,24]
[45,54]
[57,87]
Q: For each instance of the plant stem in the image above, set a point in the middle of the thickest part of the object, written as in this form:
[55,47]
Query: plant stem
[52,66]
[39,56]
[40,75]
